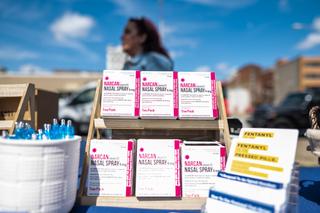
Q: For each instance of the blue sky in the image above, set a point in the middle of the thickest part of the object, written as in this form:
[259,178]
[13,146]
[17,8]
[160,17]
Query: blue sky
[217,35]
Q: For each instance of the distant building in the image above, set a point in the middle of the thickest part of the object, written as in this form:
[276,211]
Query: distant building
[267,86]
[248,77]
[296,75]
[250,87]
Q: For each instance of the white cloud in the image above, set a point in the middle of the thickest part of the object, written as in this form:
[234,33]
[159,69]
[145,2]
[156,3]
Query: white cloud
[316,24]
[165,29]
[72,26]
[127,8]
[284,5]
[222,66]
[228,4]
[26,11]
[223,70]
[203,68]
[298,26]
[12,53]
[184,42]
[312,40]
[172,37]
[176,54]
[70,29]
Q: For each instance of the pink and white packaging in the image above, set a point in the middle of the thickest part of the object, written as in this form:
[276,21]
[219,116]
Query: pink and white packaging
[120,94]
[197,95]
[158,168]
[159,94]
[201,162]
[111,168]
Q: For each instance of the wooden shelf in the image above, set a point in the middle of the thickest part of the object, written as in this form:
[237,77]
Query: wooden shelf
[145,203]
[13,90]
[17,104]
[153,125]
[6,124]
[101,123]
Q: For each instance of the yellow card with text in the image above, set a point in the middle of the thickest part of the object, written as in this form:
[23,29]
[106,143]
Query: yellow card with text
[264,153]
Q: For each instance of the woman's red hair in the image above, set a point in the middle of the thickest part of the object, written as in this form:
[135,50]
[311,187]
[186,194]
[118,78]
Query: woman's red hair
[153,40]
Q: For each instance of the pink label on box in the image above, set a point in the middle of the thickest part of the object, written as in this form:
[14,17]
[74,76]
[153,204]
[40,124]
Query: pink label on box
[137,98]
[130,145]
[177,169]
[176,95]
[222,158]
[214,95]
[129,169]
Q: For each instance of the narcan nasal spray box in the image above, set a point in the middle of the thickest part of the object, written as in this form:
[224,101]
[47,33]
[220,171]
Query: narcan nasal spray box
[197,95]
[120,94]
[201,162]
[111,168]
[158,168]
[159,94]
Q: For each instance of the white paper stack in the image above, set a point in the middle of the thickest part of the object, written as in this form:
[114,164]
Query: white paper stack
[120,94]
[197,95]
[159,95]
[111,168]
[200,162]
[158,168]
[236,193]
[259,172]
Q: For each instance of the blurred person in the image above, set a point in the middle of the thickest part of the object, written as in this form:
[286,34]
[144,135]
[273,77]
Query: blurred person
[141,41]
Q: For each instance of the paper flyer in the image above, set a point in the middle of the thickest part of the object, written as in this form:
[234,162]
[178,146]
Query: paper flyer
[264,153]
[245,194]
[223,202]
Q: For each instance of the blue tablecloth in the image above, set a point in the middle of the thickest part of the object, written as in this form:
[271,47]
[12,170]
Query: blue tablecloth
[309,193]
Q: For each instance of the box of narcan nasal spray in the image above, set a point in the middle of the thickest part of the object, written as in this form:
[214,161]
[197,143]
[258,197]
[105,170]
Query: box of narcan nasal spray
[120,94]
[159,94]
[158,168]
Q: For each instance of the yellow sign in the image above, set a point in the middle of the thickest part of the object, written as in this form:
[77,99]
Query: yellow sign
[245,168]
[242,151]
[263,153]
[249,134]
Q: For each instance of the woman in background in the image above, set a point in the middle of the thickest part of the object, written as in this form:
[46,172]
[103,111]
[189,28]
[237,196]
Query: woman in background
[141,41]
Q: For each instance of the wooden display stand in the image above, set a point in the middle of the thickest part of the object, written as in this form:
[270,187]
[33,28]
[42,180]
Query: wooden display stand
[97,124]
[17,104]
